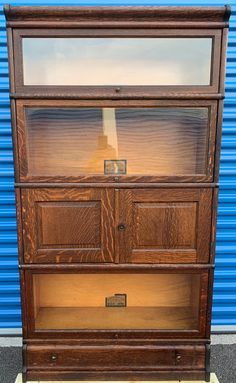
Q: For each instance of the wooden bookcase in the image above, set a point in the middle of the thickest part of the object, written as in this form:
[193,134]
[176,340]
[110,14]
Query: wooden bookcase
[116,117]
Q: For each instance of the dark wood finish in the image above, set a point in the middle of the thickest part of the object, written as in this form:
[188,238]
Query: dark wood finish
[145,13]
[115,375]
[116,357]
[73,225]
[208,357]
[213,226]
[10,61]
[24,356]
[97,92]
[114,185]
[74,96]
[24,311]
[209,303]
[118,268]
[117,341]
[220,103]
[68,225]
[19,225]
[14,140]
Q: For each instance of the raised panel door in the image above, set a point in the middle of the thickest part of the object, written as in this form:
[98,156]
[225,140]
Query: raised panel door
[164,225]
[68,225]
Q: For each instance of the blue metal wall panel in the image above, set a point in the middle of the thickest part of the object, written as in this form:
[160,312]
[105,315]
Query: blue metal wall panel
[224,302]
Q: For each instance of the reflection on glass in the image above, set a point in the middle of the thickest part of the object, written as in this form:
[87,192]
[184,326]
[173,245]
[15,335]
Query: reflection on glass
[152,141]
[117,61]
[153,301]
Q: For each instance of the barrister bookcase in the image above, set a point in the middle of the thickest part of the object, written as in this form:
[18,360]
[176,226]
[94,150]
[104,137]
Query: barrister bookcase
[116,117]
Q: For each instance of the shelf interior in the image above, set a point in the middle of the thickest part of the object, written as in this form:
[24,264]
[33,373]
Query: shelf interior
[163,318]
[153,301]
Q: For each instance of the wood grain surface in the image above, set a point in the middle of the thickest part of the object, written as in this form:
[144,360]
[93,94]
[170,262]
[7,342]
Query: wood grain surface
[68,225]
[166,226]
[149,233]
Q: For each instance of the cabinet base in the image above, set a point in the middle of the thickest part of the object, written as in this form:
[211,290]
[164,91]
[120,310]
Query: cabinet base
[45,361]
[213,379]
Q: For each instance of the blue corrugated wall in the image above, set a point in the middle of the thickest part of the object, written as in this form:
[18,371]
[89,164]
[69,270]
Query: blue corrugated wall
[224,305]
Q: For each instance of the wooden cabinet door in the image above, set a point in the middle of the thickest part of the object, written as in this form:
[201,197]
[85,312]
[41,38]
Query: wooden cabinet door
[68,225]
[164,225]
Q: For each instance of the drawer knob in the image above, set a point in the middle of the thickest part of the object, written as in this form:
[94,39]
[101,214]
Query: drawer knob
[121,227]
[53,357]
[178,358]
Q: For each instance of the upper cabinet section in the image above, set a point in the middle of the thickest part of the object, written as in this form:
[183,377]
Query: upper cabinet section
[107,141]
[123,52]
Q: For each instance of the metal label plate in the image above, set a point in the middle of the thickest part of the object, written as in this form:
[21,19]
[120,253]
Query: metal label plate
[116,300]
[115,167]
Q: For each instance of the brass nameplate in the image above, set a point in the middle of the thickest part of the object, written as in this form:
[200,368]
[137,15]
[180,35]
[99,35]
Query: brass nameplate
[115,167]
[116,300]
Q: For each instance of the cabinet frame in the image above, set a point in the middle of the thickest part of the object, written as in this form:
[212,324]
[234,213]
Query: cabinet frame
[125,90]
[110,22]
[27,279]
[22,134]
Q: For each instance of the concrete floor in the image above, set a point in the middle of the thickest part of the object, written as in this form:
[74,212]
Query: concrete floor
[223,363]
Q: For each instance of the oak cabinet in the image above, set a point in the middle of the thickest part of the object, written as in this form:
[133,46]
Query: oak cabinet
[164,225]
[168,301]
[68,225]
[183,357]
[156,140]
[93,225]
[116,118]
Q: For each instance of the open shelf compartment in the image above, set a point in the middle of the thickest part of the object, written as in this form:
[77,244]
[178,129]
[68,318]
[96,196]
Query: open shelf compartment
[144,301]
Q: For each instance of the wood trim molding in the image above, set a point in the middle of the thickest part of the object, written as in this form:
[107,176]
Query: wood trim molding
[161,96]
[128,15]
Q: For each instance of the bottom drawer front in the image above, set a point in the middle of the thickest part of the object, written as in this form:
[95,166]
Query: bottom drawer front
[116,357]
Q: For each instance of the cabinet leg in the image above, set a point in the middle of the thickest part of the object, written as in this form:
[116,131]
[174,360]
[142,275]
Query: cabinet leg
[208,363]
[24,377]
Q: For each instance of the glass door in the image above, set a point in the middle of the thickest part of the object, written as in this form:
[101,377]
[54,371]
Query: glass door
[171,140]
[118,62]
[161,301]
[124,61]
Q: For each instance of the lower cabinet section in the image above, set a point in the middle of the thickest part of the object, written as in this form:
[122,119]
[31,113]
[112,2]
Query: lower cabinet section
[116,323]
[143,302]
[114,301]
[47,361]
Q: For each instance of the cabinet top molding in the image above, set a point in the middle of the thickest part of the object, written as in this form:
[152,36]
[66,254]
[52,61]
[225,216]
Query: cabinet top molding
[146,16]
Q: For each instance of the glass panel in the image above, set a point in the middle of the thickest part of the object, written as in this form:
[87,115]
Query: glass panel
[144,301]
[117,61]
[147,141]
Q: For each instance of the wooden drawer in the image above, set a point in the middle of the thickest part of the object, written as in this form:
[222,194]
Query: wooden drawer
[116,357]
